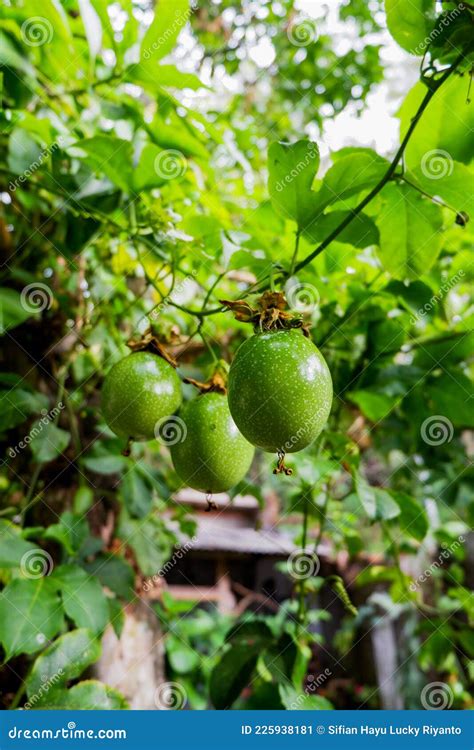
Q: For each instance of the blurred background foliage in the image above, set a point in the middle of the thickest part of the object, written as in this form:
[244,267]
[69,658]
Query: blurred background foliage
[134,196]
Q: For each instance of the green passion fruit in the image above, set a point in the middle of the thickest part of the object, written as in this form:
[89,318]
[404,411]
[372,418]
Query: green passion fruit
[212,456]
[280,391]
[139,391]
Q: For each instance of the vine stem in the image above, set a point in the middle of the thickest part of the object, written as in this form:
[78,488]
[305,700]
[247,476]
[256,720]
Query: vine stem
[433,88]
[301,605]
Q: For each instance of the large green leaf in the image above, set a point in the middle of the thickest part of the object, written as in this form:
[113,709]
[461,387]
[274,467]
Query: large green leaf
[114,572]
[352,173]
[16,405]
[171,16]
[294,700]
[291,172]
[447,180]
[83,599]
[12,311]
[12,546]
[111,156]
[450,135]
[366,495]
[361,232]
[410,23]
[232,674]
[412,518]
[30,615]
[410,232]
[64,660]
[48,442]
[88,695]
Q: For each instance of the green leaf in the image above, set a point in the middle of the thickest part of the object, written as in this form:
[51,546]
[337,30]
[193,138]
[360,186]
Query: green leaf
[30,615]
[114,573]
[360,170]
[136,494]
[294,700]
[65,659]
[410,23]
[232,674]
[88,695]
[146,175]
[387,508]
[366,495]
[153,77]
[412,518]
[82,501]
[12,311]
[291,172]
[451,397]
[110,156]
[182,658]
[446,180]
[48,442]
[410,232]
[83,599]
[17,405]
[251,633]
[450,135]
[375,406]
[361,232]
[171,16]
[12,546]
[177,134]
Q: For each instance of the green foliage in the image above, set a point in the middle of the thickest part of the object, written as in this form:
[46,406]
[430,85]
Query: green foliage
[152,166]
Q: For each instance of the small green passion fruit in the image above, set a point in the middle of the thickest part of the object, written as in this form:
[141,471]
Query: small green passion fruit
[138,392]
[212,456]
[280,391]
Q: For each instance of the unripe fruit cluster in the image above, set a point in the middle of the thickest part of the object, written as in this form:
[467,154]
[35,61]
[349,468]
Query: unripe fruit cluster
[279,399]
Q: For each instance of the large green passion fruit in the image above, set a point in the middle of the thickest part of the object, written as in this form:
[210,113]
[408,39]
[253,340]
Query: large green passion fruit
[138,392]
[280,391]
[212,456]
